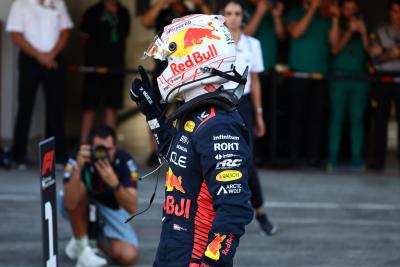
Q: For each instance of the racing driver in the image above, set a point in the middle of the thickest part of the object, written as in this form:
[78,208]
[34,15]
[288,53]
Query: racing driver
[206,190]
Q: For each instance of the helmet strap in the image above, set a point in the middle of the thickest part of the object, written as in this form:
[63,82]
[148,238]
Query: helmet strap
[227,99]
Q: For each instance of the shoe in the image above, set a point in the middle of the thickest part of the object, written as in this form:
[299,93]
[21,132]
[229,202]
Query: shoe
[72,249]
[88,258]
[266,226]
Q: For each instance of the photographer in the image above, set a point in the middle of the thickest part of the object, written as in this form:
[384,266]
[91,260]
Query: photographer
[350,58]
[312,28]
[101,182]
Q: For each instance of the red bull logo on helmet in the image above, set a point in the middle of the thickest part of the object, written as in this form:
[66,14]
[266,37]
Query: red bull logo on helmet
[195,36]
[173,183]
[194,59]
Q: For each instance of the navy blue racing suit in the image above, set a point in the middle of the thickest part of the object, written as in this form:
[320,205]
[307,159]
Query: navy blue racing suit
[206,191]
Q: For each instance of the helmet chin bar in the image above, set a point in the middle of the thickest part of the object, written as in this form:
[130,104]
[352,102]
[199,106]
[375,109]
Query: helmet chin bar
[227,99]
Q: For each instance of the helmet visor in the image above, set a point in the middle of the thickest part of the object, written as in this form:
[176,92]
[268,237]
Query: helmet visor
[157,50]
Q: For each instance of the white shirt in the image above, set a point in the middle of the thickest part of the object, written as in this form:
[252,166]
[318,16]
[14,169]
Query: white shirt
[248,53]
[389,39]
[40,25]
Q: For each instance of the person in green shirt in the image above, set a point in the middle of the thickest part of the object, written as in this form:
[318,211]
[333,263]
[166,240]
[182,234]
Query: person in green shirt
[312,28]
[350,58]
[265,22]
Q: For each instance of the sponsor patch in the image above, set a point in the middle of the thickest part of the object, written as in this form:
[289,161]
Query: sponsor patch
[153,124]
[173,183]
[229,163]
[226,146]
[213,248]
[184,139]
[134,176]
[181,148]
[229,175]
[225,156]
[189,126]
[230,189]
[178,160]
[225,137]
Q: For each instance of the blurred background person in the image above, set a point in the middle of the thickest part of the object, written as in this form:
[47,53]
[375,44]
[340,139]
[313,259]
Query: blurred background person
[311,29]
[248,53]
[350,58]
[40,29]
[100,181]
[158,16]
[265,22]
[104,30]
[385,52]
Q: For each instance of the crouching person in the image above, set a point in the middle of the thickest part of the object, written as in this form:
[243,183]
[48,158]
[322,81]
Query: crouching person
[100,192]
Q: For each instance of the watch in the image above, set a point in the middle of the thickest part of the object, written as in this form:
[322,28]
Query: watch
[115,188]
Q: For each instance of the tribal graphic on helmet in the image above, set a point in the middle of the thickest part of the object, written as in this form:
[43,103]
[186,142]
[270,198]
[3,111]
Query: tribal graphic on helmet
[193,46]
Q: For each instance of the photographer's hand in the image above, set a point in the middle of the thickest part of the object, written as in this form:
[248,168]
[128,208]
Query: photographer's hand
[107,173]
[83,156]
[126,196]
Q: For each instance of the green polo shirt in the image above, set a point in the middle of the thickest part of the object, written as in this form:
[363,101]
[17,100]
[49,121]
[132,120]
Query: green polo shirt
[267,36]
[352,59]
[269,41]
[310,52]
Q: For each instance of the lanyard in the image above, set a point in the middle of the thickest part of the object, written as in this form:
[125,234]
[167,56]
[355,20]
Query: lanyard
[113,21]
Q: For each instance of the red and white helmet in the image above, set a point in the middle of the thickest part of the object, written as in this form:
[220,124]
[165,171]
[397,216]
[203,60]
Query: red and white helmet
[193,46]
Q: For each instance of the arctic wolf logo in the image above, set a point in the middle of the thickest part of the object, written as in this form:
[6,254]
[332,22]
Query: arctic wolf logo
[195,36]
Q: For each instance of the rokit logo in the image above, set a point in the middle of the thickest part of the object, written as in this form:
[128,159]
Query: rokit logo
[230,189]
[226,146]
[229,163]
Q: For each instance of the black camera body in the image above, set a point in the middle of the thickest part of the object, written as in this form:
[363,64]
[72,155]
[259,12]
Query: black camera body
[99,152]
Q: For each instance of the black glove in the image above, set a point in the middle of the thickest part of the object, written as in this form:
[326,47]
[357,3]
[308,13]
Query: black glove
[143,94]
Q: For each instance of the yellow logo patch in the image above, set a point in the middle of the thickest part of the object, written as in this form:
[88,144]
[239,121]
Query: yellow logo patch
[189,126]
[213,248]
[134,176]
[229,175]
[68,168]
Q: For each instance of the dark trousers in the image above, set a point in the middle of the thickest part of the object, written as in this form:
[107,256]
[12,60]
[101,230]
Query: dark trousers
[246,111]
[384,95]
[307,117]
[31,74]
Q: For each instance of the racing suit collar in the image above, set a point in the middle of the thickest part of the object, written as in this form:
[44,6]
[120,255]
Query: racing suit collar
[227,99]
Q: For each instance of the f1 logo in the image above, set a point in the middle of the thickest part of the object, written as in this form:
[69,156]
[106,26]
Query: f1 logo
[47,166]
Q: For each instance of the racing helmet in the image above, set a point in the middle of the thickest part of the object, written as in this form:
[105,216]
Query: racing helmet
[200,53]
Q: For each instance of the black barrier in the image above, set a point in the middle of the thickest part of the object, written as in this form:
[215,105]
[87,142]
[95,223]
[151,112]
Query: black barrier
[101,70]
[49,211]
[338,76]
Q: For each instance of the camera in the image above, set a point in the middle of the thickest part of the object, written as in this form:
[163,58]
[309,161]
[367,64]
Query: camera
[99,152]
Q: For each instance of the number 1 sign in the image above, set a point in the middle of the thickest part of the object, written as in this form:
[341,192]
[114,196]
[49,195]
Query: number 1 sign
[49,212]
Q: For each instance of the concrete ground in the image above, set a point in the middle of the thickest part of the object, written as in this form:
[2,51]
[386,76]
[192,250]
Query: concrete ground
[330,220]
